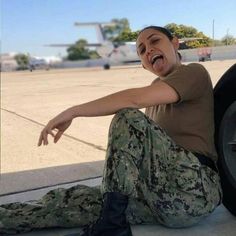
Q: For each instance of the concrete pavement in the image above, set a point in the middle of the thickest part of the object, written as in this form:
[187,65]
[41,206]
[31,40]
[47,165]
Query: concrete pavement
[29,100]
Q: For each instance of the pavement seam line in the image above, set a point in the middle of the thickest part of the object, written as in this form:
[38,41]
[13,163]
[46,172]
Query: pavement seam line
[66,135]
[49,186]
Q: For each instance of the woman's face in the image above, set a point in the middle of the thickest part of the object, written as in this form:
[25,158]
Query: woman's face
[157,53]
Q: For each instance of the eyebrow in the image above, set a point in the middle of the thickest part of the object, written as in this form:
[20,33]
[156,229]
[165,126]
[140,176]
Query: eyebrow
[150,36]
[147,38]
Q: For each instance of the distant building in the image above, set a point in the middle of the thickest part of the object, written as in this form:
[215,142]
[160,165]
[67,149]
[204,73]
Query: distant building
[8,62]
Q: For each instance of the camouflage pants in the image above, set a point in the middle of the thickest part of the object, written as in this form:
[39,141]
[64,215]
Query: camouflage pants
[166,184]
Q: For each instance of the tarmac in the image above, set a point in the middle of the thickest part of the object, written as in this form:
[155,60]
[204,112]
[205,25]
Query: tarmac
[30,99]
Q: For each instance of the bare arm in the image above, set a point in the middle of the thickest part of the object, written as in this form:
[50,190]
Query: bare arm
[154,94]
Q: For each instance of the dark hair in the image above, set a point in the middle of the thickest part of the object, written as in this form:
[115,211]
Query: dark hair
[160,29]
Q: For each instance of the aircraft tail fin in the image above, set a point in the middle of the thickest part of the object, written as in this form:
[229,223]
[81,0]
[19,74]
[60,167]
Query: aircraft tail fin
[99,29]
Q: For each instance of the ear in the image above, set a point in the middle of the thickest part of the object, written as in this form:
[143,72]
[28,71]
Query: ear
[175,42]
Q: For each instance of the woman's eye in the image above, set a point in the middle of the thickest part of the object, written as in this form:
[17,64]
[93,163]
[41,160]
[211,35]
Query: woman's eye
[155,40]
[142,51]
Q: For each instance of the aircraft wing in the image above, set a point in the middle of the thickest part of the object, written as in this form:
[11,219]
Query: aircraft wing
[93,44]
[94,24]
[68,45]
[58,45]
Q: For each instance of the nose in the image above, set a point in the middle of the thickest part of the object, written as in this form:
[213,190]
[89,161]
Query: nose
[149,49]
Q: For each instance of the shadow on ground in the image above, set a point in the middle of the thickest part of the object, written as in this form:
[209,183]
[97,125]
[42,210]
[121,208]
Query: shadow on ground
[16,182]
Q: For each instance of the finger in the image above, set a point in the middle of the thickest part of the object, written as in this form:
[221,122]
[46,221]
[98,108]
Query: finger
[44,140]
[58,136]
[45,137]
[40,140]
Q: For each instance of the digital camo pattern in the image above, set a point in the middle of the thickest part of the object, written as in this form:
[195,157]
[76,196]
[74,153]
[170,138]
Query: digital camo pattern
[76,206]
[165,183]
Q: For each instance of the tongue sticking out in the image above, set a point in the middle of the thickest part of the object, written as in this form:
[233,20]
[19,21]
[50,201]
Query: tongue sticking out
[158,64]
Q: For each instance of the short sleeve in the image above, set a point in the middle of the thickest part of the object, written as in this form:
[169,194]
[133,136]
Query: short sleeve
[189,81]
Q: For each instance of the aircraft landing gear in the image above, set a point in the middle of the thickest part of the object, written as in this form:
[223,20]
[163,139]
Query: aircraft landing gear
[106,67]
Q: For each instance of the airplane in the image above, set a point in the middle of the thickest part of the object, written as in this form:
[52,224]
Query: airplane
[112,52]
[36,62]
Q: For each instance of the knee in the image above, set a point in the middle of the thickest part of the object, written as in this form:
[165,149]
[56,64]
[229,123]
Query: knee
[129,117]
[122,116]
[128,113]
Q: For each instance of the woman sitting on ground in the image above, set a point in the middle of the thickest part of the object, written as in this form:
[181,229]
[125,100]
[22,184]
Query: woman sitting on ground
[160,166]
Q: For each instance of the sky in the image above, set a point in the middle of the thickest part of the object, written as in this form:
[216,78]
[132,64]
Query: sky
[28,25]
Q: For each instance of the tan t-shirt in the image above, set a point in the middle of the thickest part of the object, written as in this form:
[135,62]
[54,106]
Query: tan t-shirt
[190,122]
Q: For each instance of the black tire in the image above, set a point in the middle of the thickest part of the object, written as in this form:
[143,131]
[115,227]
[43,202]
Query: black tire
[224,97]
[227,150]
[106,67]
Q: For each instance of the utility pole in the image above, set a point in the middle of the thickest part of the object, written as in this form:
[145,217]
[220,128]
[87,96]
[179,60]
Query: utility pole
[227,37]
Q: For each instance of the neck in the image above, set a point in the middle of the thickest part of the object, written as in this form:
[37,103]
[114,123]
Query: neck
[175,67]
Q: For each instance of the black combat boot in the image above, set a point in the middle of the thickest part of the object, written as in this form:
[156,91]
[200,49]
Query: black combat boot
[112,220]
